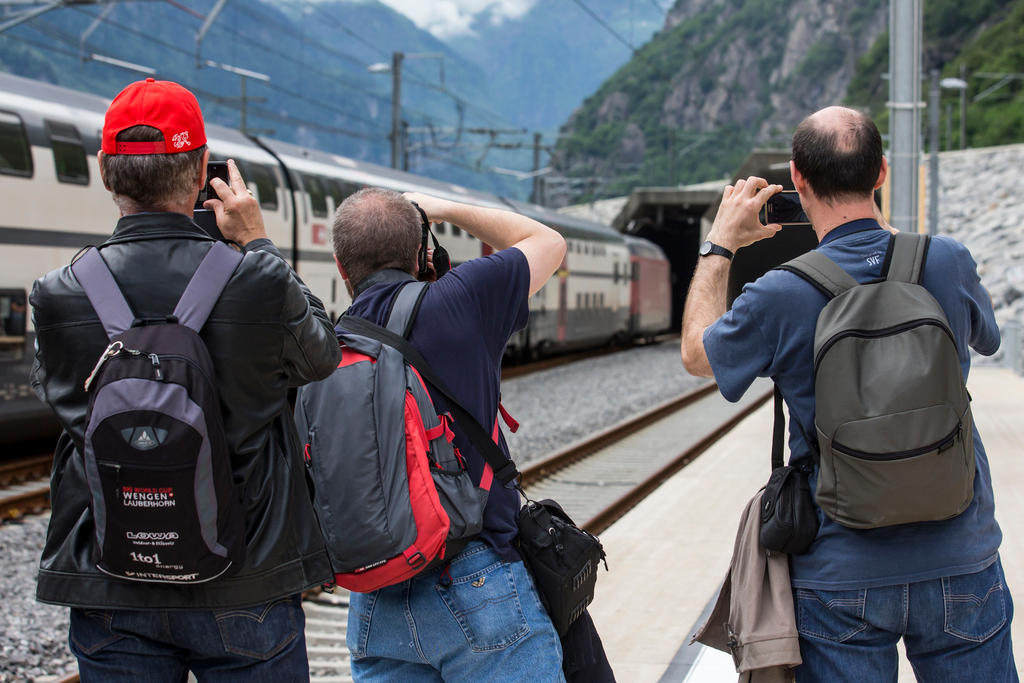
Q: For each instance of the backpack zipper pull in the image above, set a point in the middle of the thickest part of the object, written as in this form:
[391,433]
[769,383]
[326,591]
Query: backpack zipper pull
[155,359]
[112,350]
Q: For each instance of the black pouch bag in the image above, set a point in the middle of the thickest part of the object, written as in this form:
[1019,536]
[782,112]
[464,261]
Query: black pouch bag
[562,558]
[789,522]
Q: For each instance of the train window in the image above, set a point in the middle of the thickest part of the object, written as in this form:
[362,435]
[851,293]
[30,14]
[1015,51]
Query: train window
[317,195]
[601,303]
[15,156]
[586,300]
[68,153]
[13,312]
[440,227]
[456,230]
[339,190]
[266,185]
[579,300]
[615,272]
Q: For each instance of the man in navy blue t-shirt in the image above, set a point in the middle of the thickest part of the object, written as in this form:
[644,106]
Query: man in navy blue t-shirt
[479,617]
[937,585]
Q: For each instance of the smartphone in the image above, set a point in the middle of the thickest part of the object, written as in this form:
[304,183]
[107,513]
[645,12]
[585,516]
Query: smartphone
[214,169]
[784,208]
[205,218]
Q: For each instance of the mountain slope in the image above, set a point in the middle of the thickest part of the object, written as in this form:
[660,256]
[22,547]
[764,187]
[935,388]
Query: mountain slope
[541,65]
[722,77]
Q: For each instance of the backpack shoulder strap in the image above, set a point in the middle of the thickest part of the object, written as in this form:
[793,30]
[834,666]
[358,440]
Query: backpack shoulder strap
[504,468]
[822,272]
[106,297]
[905,259]
[404,308]
[206,285]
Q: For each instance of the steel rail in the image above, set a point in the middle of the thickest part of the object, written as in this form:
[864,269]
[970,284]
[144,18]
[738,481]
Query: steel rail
[628,501]
[512,371]
[23,469]
[16,504]
[578,451]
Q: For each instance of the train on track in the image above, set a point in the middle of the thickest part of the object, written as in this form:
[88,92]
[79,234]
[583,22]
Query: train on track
[609,287]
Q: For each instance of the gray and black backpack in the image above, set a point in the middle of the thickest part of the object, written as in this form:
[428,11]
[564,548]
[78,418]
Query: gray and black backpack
[156,458]
[893,416]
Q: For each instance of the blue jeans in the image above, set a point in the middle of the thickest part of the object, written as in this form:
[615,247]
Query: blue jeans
[262,644]
[481,620]
[956,628]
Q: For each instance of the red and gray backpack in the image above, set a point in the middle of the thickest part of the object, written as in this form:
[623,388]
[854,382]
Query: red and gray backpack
[391,492]
[156,459]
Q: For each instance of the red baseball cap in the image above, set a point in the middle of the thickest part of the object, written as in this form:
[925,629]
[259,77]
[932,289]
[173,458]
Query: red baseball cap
[164,105]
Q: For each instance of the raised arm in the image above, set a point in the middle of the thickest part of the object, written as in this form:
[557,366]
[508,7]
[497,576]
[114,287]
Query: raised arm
[736,225]
[543,247]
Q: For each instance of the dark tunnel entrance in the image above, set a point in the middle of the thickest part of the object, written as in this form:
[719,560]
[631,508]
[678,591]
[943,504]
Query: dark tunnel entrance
[679,238]
[671,218]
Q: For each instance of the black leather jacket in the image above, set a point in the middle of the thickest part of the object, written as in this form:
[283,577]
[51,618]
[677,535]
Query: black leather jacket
[266,334]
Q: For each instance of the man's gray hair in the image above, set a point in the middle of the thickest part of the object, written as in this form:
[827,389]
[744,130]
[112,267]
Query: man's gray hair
[376,229]
[147,182]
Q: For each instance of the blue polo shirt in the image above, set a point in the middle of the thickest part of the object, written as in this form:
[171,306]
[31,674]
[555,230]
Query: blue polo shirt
[769,332]
[464,321]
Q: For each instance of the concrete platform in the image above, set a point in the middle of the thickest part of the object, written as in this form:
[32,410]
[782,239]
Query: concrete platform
[669,554]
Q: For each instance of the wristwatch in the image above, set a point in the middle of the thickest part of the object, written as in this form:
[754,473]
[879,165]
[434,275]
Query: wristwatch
[709,248]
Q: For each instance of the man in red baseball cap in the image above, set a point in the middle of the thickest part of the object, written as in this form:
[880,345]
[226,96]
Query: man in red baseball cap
[265,333]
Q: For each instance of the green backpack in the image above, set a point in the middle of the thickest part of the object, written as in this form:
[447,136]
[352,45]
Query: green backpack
[893,417]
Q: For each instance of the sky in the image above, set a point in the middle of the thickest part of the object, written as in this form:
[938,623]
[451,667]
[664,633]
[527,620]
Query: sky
[448,18]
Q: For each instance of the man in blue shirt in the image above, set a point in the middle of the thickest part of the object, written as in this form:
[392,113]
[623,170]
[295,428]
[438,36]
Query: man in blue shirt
[937,585]
[479,617]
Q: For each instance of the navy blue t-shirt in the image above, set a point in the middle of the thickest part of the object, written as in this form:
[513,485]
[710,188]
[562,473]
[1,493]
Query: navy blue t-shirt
[769,332]
[464,321]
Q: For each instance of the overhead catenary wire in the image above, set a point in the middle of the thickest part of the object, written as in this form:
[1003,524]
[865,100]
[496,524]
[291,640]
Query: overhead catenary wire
[271,85]
[368,129]
[604,24]
[215,97]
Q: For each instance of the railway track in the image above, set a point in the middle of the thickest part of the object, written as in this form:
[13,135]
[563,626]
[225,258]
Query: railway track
[26,486]
[511,371]
[596,480]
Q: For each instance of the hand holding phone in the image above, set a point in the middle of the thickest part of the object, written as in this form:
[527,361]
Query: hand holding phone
[237,213]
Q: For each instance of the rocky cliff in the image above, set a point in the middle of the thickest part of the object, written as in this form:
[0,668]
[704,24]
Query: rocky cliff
[721,77]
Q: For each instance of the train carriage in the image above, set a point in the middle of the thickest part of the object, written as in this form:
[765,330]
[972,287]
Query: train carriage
[55,204]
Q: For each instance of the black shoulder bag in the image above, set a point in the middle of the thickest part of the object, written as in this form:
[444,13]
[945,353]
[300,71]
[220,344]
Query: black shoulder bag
[789,522]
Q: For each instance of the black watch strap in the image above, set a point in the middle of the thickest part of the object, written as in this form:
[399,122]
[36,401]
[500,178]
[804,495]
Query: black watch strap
[709,248]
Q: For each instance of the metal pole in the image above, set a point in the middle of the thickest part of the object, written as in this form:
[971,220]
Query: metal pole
[963,108]
[245,129]
[396,106]
[1011,344]
[949,126]
[933,156]
[201,33]
[904,106]
[405,145]
[535,195]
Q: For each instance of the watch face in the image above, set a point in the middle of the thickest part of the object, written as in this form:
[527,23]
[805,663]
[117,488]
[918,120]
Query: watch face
[705,249]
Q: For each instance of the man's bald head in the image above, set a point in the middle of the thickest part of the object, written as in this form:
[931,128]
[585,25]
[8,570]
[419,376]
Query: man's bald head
[838,151]
[375,229]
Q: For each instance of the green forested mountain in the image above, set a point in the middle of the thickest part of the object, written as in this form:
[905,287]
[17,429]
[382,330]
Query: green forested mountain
[725,76]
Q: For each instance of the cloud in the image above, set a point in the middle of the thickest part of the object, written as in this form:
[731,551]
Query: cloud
[450,18]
